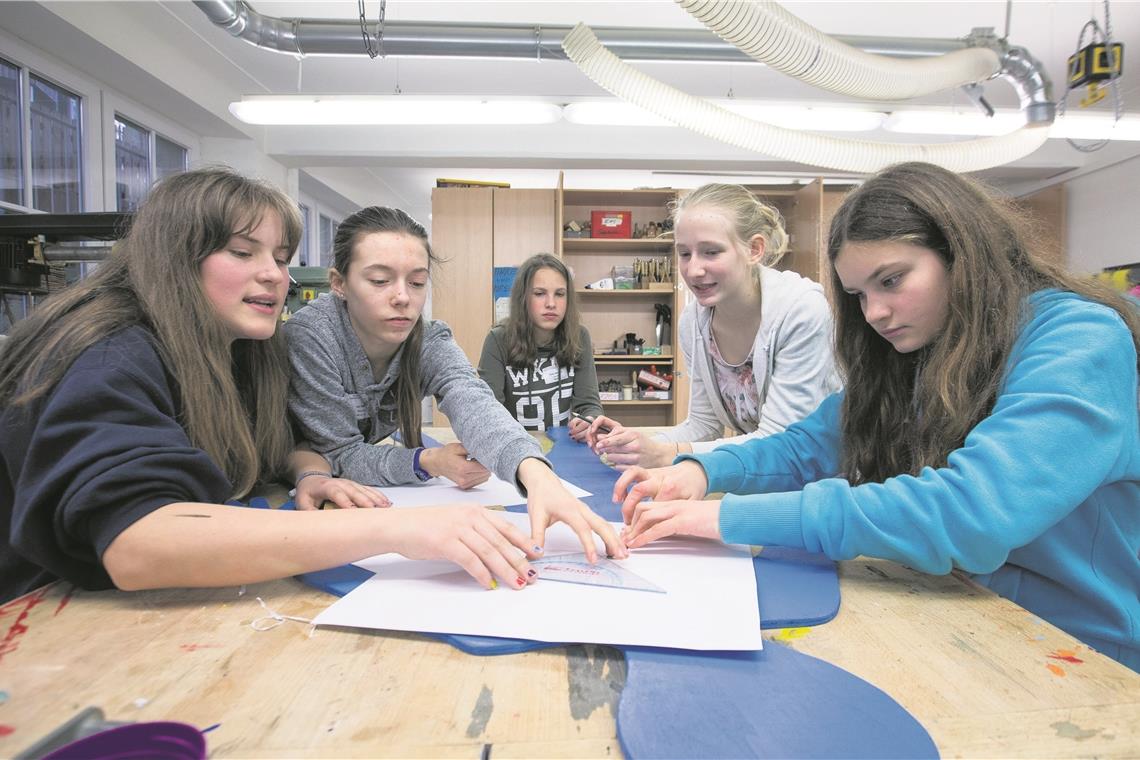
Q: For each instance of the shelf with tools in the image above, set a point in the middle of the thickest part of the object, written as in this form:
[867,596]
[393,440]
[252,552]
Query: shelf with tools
[619,242]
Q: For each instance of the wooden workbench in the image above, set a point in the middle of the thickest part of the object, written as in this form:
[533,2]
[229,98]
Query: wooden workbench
[985,677]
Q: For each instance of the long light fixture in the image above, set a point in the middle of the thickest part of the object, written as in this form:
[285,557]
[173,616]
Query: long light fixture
[395,110]
[355,110]
[816,117]
[841,118]
[1074,125]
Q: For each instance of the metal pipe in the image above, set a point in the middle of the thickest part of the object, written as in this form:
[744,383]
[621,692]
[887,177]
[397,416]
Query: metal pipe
[60,253]
[523,41]
[301,36]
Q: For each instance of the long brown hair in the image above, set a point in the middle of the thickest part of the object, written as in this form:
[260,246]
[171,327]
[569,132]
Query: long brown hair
[407,386]
[233,392]
[521,347]
[903,412]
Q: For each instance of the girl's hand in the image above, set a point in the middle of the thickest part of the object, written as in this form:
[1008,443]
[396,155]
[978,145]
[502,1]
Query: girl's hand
[686,480]
[549,502]
[653,520]
[578,429]
[625,447]
[601,425]
[476,539]
[451,461]
[315,490]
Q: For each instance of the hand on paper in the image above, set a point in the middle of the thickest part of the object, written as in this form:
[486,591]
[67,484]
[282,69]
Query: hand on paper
[653,520]
[549,502]
[578,429]
[315,490]
[451,462]
[476,539]
[685,480]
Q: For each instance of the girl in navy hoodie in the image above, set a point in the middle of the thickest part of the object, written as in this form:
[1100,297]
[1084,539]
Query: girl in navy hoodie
[137,401]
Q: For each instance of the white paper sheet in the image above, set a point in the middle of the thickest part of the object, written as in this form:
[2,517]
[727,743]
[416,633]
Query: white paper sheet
[443,491]
[710,600]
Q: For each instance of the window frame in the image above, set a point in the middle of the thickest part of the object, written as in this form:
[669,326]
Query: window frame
[117,106]
[30,62]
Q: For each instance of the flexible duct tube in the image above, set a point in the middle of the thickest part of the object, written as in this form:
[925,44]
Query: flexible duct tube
[702,117]
[771,35]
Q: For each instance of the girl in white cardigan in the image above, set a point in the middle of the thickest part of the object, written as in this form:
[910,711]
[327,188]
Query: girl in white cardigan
[757,341]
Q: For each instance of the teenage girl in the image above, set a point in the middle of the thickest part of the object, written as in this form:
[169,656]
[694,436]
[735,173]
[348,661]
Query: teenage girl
[539,362]
[756,340]
[989,421]
[136,402]
[364,359]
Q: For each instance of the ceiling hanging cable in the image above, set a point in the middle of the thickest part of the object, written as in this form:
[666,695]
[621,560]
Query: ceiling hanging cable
[1105,37]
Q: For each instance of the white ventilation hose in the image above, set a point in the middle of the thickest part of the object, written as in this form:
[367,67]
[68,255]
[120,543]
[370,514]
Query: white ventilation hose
[771,35]
[705,118]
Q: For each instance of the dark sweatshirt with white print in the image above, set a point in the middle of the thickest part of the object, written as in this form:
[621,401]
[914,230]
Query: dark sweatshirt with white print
[542,395]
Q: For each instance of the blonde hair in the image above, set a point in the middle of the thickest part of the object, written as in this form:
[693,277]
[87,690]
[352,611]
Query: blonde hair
[233,392]
[748,216]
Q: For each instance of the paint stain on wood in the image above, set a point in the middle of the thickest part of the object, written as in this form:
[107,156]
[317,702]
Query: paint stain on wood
[1056,670]
[63,602]
[1067,730]
[196,647]
[791,634]
[21,608]
[1068,655]
[596,678]
[484,706]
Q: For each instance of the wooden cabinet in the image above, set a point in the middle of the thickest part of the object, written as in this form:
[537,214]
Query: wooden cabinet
[610,314]
[475,230]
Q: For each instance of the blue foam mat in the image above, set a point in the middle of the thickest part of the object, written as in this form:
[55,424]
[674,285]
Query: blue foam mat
[795,587]
[773,703]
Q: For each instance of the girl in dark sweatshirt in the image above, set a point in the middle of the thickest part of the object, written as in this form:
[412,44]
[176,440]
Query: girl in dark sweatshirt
[539,361]
[133,404]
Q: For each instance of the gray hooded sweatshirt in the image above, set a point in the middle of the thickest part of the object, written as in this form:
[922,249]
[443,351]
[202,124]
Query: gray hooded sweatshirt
[342,411]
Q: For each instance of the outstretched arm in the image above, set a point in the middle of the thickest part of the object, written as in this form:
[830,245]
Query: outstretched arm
[203,545]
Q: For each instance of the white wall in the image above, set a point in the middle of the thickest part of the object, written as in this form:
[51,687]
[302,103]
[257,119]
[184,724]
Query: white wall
[1103,217]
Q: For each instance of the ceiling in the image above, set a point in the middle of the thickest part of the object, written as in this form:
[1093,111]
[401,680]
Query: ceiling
[172,57]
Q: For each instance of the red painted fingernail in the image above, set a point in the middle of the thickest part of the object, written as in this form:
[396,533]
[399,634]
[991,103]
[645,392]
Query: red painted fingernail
[520,581]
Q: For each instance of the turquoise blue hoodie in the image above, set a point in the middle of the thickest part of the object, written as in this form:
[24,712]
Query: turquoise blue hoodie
[1041,503]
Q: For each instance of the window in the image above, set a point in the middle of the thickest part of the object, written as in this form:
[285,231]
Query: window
[56,140]
[141,157]
[11,144]
[132,164]
[169,157]
[306,228]
[327,230]
[41,143]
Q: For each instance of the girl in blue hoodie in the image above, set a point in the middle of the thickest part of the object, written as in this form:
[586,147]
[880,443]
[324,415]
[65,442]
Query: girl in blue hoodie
[989,421]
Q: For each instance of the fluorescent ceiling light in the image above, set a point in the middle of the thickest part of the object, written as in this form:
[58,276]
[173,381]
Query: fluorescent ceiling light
[1098,126]
[611,113]
[349,110]
[618,113]
[1074,125]
[947,122]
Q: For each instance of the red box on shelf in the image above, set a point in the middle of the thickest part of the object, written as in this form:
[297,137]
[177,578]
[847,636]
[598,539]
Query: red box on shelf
[611,224]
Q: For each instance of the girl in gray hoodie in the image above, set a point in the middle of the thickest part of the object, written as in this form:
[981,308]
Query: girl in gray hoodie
[363,359]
